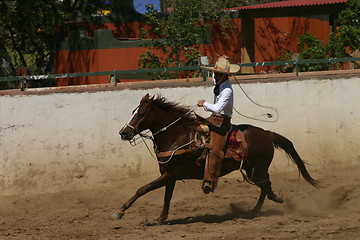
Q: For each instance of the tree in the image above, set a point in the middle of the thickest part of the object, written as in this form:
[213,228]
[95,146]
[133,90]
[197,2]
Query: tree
[183,28]
[345,38]
[27,29]
[349,21]
[180,32]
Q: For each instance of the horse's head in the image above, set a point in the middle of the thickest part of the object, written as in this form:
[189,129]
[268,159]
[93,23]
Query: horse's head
[140,120]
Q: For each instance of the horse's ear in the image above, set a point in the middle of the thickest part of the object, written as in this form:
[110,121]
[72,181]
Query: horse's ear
[146,97]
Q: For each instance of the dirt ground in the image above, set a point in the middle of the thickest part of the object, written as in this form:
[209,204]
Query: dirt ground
[331,212]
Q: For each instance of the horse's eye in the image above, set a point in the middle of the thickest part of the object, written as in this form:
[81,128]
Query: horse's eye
[135,111]
[141,111]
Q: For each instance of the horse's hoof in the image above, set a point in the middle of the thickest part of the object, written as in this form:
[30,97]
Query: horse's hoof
[276,198]
[118,215]
[162,218]
[206,188]
[252,213]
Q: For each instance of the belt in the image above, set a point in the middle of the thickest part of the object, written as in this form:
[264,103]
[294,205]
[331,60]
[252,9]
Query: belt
[219,115]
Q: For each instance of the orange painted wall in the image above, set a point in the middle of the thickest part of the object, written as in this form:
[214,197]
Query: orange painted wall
[273,36]
[229,45]
[96,60]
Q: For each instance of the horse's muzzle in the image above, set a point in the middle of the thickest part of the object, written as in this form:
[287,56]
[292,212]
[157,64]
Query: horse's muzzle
[126,135]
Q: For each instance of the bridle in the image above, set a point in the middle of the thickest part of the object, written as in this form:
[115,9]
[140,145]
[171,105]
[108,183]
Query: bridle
[134,139]
[141,136]
[147,133]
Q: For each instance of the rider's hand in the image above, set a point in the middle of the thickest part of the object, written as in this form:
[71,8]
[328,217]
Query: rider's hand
[201,103]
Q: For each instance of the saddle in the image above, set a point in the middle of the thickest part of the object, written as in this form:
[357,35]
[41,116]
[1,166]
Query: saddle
[236,146]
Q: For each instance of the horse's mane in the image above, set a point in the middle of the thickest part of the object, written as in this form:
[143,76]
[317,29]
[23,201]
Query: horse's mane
[188,117]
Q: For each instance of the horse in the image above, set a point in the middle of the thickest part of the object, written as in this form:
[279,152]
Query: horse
[172,128]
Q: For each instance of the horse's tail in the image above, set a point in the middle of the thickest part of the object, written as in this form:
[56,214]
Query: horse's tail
[285,144]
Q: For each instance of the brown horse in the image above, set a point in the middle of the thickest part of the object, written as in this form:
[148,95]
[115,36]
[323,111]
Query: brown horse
[172,127]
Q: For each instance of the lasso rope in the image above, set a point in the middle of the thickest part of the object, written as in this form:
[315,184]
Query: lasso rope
[269,115]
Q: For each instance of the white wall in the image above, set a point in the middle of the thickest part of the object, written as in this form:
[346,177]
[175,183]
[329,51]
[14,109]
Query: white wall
[56,141]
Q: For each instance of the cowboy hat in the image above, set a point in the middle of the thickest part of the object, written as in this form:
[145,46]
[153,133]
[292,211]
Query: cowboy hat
[223,65]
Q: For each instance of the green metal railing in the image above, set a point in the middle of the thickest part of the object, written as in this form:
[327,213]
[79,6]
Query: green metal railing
[299,62]
[131,74]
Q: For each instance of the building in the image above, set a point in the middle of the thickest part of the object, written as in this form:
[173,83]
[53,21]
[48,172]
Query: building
[261,33]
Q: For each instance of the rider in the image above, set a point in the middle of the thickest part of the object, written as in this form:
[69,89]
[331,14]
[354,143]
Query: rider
[220,124]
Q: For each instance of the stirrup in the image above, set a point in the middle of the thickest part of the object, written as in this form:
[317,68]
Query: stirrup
[200,140]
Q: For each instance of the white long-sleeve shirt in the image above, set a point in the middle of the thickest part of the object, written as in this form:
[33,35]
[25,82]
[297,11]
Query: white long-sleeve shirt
[223,103]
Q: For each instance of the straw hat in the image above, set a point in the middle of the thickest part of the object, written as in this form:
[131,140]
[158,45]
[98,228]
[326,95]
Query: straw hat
[223,65]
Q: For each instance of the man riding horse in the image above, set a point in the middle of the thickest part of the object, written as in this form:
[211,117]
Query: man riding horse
[219,121]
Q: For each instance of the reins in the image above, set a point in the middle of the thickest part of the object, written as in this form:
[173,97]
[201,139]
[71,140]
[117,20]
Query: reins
[177,149]
[151,137]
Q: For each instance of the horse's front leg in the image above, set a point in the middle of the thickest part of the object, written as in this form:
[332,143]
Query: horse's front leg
[169,189]
[157,183]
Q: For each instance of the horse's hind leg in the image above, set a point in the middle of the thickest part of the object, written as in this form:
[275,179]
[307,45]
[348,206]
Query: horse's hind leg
[263,182]
[260,201]
[271,195]
[254,176]
[265,186]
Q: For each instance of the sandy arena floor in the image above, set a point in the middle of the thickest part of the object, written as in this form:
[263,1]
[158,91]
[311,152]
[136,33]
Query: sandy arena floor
[331,212]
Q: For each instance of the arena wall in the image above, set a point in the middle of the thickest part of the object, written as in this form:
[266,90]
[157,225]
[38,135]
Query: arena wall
[55,140]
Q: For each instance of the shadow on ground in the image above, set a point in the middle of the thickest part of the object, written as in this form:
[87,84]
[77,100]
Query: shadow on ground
[234,213]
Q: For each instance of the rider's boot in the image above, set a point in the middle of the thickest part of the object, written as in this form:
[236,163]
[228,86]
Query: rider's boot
[212,171]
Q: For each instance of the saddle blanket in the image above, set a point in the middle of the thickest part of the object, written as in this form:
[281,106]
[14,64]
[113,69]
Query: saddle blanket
[237,145]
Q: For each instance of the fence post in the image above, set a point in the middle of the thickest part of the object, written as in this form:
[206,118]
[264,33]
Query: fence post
[297,68]
[205,74]
[22,71]
[204,61]
[22,84]
[113,79]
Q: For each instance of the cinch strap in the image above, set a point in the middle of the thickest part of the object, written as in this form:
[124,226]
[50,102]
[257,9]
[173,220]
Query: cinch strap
[169,153]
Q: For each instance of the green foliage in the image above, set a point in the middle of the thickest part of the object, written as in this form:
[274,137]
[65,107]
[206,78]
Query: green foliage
[312,48]
[347,36]
[150,60]
[182,30]
[178,30]
[336,48]
[27,29]
[349,20]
